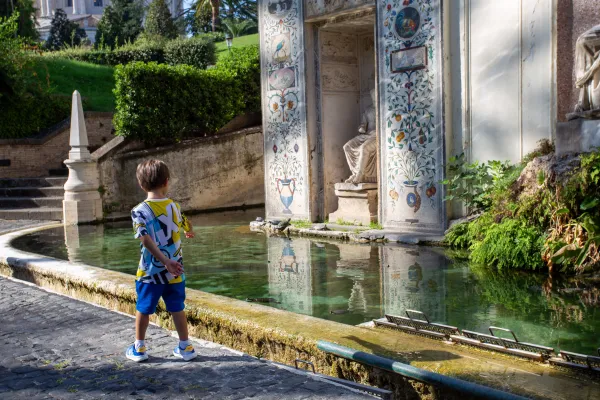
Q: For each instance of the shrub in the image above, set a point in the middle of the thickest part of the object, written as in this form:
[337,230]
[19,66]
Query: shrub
[160,103]
[146,52]
[508,244]
[197,52]
[244,62]
[213,36]
[28,115]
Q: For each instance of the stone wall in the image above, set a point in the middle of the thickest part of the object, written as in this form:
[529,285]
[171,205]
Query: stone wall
[33,157]
[208,173]
[573,18]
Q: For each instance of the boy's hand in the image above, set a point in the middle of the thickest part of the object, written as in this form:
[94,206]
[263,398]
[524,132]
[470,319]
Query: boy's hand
[174,267]
[190,234]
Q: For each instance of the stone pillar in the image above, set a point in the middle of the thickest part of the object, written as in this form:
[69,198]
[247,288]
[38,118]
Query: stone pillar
[79,7]
[50,5]
[82,201]
[43,8]
[287,149]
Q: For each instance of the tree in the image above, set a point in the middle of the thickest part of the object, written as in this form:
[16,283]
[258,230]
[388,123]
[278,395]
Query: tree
[159,21]
[64,32]
[26,22]
[239,28]
[121,22]
[215,8]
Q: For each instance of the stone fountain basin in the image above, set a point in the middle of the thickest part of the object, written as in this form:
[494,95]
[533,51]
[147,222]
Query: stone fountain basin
[283,336]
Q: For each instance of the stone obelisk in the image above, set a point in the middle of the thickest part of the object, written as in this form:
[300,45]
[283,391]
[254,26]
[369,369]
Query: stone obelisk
[82,202]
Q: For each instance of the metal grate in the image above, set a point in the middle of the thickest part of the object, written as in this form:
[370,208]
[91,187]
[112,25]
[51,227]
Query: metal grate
[422,324]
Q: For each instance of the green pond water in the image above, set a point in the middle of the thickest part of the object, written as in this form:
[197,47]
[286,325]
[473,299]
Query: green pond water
[350,283]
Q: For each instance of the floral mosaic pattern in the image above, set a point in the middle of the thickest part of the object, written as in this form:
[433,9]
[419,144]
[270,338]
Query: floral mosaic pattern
[411,107]
[284,108]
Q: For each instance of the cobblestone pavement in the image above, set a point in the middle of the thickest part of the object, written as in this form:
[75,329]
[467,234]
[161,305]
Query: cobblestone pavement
[55,347]
[10,225]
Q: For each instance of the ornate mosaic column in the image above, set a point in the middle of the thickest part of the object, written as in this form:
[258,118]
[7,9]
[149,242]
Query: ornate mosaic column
[410,113]
[284,109]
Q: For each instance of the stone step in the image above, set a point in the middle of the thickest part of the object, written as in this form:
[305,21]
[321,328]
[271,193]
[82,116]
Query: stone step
[50,181]
[35,214]
[59,172]
[50,191]
[30,202]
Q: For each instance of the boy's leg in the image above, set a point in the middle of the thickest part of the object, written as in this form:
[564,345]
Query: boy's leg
[174,297]
[148,295]
[180,321]
[141,325]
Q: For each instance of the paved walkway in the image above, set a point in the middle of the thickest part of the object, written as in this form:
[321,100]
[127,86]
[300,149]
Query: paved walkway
[7,226]
[55,347]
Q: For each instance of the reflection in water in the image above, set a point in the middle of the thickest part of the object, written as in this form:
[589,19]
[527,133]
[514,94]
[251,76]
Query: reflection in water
[350,283]
[290,274]
[414,280]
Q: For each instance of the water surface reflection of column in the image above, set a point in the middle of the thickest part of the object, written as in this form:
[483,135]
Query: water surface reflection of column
[83,242]
[290,277]
[414,279]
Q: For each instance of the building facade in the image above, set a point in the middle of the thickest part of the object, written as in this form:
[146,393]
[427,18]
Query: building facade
[86,13]
[477,77]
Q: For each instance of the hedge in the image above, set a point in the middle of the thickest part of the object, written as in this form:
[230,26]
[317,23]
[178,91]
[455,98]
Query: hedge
[196,51]
[158,103]
[199,52]
[28,115]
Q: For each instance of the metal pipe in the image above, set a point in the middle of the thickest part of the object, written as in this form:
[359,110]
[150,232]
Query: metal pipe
[411,372]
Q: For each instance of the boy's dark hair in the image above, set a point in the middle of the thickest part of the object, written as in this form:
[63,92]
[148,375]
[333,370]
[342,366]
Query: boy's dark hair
[152,174]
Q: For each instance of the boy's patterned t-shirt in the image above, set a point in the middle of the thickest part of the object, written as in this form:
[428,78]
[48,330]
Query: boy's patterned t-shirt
[163,221]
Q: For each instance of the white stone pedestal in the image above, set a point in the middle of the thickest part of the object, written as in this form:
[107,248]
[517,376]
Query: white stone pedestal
[577,136]
[82,202]
[357,203]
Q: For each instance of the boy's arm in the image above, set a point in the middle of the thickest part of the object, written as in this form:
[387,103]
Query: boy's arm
[187,225]
[172,266]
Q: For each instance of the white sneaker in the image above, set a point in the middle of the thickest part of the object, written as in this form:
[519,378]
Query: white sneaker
[136,355]
[187,354]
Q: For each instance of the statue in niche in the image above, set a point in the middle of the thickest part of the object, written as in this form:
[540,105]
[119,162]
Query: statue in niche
[361,152]
[587,71]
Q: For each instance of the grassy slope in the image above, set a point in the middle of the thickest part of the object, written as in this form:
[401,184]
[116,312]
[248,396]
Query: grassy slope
[94,82]
[237,42]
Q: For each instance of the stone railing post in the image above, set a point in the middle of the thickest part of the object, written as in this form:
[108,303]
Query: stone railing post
[82,202]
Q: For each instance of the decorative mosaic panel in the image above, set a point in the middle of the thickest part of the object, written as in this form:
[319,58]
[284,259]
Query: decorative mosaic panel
[315,8]
[411,129]
[284,108]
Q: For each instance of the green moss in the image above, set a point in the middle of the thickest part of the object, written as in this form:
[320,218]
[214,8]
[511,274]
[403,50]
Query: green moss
[302,224]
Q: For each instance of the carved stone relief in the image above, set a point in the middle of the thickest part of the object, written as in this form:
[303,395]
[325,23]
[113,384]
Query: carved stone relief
[340,77]
[336,46]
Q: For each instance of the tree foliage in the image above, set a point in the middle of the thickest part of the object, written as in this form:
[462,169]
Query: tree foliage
[120,23]
[26,20]
[159,21]
[64,32]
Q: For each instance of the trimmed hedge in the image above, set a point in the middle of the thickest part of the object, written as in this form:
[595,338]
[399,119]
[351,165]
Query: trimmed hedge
[159,103]
[29,115]
[245,63]
[199,52]
[196,51]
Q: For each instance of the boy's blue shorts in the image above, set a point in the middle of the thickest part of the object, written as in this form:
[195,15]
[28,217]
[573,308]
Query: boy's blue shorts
[148,295]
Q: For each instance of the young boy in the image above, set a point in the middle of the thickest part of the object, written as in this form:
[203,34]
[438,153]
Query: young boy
[158,223]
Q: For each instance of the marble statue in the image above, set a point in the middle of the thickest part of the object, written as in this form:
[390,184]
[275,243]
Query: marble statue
[361,152]
[587,71]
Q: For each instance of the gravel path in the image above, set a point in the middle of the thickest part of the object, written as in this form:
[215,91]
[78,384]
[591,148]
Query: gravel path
[55,347]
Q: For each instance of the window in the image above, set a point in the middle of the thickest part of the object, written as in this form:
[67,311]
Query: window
[69,3]
[97,3]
